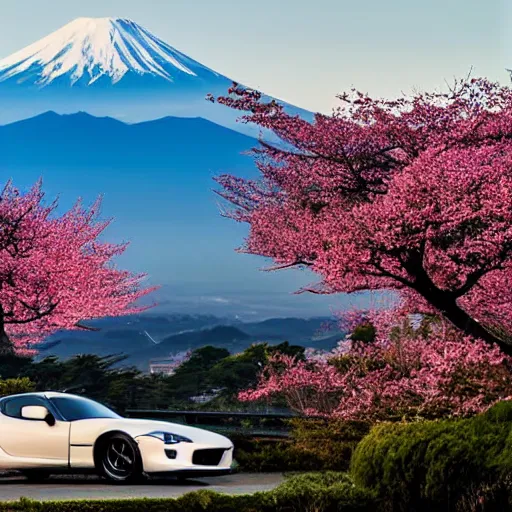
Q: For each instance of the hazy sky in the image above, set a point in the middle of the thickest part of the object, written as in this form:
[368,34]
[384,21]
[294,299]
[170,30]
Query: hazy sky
[303,51]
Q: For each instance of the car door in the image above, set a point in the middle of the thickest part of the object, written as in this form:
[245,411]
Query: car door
[34,439]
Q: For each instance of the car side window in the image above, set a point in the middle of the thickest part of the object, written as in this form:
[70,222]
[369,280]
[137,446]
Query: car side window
[13,406]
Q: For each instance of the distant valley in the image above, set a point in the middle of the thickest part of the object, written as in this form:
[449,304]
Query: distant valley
[145,337]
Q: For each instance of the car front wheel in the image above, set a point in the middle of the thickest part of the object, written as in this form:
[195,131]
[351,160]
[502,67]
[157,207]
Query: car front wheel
[119,459]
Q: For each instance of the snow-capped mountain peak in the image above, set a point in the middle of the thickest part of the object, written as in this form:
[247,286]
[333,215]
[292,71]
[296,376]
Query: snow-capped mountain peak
[88,49]
[116,68]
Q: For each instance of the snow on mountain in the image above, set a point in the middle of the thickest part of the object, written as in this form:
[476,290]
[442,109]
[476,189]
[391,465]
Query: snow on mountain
[90,48]
[113,67]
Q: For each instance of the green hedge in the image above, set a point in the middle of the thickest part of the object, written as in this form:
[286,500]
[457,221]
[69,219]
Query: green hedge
[272,455]
[315,445]
[327,492]
[439,464]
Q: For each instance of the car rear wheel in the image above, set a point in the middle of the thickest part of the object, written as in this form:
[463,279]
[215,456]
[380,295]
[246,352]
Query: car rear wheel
[119,459]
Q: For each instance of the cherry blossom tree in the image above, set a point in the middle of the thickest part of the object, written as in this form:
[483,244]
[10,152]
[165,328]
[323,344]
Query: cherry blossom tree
[412,195]
[410,374]
[55,272]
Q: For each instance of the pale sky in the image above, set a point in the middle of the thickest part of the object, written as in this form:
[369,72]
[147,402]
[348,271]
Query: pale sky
[304,52]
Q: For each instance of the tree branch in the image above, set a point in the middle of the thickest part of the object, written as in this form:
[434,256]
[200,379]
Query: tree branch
[87,327]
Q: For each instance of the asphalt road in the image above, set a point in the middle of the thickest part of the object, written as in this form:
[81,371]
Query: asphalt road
[82,487]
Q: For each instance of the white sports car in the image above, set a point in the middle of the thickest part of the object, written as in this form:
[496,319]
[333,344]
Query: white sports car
[45,433]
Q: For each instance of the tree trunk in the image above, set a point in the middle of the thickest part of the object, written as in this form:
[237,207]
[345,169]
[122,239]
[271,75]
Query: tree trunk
[449,308]
[6,346]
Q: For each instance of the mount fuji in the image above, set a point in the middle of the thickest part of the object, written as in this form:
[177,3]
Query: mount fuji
[87,50]
[103,106]
[112,67]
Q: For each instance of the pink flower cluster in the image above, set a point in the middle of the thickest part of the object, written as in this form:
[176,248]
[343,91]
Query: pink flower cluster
[55,271]
[405,376]
[412,195]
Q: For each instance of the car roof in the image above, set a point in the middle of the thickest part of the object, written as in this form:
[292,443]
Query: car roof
[43,394]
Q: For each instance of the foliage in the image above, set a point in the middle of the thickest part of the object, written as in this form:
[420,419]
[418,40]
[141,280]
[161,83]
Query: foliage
[331,442]
[190,377]
[327,492]
[14,386]
[12,364]
[107,380]
[491,495]
[236,372]
[412,195]
[263,455]
[212,370]
[307,492]
[94,376]
[314,445]
[364,332]
[408,373]
[436,464]
[55,271]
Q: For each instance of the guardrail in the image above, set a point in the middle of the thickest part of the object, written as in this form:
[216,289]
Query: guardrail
[165,413]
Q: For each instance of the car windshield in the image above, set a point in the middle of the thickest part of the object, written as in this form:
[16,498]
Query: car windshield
[76,408]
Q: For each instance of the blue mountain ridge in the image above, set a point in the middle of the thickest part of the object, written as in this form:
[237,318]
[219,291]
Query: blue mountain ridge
[156,179]
[57,139]
[135,336]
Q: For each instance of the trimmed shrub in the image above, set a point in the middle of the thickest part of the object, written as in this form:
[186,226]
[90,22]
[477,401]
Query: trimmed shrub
[434,464]
[269,455]
[330,492]
[330,443]
[315,445]
[314,492]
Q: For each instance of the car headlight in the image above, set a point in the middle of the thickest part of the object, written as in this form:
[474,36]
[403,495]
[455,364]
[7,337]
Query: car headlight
[169,438]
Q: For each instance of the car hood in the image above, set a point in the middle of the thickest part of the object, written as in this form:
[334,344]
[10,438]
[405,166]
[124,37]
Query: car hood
[87,431]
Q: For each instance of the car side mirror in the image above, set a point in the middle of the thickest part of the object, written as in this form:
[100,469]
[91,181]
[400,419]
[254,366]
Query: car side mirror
[37,413]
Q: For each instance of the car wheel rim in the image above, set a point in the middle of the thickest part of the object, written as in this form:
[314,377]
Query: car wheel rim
[119,461]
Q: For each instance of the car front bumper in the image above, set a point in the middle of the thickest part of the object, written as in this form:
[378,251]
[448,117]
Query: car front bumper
[155,460]
[192,473]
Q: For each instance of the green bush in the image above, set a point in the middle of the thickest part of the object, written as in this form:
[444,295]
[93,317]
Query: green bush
[269,455]
[435,464]
[315,492]
[13,386]
[330,443]
[330,492]
[315,445]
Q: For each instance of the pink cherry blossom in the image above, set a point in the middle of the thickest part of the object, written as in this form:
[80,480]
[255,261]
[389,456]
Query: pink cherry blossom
[55,272]
[406,376]
[412,195]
